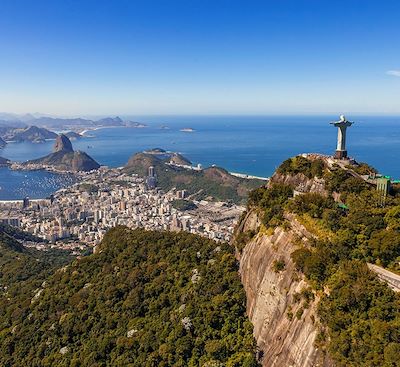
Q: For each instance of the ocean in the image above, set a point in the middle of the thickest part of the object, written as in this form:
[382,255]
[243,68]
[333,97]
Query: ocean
[254,145]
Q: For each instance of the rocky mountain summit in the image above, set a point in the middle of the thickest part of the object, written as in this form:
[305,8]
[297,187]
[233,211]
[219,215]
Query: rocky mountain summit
[65,158]
[306,244]
[62,144]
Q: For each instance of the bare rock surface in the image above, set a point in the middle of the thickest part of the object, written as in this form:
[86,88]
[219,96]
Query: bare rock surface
[284,337]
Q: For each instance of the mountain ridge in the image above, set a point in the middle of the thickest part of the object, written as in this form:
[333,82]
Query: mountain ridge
[213,183]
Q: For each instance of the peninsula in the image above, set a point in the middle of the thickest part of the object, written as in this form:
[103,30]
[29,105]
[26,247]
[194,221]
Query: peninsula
[32,133]
[64,158]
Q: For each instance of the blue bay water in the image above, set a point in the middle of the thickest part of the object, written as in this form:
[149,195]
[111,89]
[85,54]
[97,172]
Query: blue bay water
[15,185]
[254,145]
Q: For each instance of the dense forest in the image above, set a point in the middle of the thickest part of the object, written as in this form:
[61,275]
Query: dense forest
[359,314]
[143,299]
[19,264]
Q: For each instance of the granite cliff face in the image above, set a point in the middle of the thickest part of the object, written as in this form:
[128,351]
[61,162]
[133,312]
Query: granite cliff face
[285,329]
[62,144]
[65,158]
[301,183]
[285,332]
[305,245]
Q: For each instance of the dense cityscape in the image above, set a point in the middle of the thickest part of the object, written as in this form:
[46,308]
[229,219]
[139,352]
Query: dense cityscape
[79,216]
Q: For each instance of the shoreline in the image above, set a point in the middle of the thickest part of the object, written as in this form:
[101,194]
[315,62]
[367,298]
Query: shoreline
[248,177]
[87,129]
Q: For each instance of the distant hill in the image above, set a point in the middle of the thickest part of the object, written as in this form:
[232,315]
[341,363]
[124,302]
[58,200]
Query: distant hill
[213,183]
[58,123]
[20,121]
[110,121]
[143,299]
[4,161]
[65,158]
[72,135]
[32,133]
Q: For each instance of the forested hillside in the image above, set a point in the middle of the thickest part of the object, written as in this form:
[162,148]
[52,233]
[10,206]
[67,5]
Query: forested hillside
[19,264]
[143,299]
[349,225]
[213,183]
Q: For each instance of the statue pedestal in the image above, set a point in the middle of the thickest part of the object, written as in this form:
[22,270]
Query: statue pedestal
[341,154]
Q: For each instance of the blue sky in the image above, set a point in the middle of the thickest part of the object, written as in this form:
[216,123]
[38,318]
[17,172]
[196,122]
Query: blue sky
[99,57]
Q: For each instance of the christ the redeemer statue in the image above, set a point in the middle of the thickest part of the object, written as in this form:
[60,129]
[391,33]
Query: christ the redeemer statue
[342,125]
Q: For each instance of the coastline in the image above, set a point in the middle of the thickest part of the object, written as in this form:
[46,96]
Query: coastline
[87,129]
[249,177]
[37,184]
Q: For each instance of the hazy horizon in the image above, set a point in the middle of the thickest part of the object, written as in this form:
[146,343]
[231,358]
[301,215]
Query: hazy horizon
[133,115]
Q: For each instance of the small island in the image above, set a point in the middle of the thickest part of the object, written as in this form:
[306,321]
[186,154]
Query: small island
[136,125]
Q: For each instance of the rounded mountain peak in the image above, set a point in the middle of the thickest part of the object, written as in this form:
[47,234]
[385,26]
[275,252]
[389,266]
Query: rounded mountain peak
[62,144]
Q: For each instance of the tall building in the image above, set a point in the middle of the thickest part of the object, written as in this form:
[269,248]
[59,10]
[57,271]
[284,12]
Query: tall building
[151,179]
[25,202]
[151,171]
[181,194]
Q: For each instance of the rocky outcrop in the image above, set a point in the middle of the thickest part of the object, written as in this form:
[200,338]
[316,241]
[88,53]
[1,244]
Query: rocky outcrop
[179,159]
[62,144]
[301,183]
[65,158]
[285,330]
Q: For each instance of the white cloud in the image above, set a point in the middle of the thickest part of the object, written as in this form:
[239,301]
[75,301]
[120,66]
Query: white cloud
[393,72]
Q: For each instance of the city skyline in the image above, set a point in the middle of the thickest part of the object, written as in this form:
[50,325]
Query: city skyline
[177,57]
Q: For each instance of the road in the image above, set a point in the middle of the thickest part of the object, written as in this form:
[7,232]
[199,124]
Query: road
[392,279]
